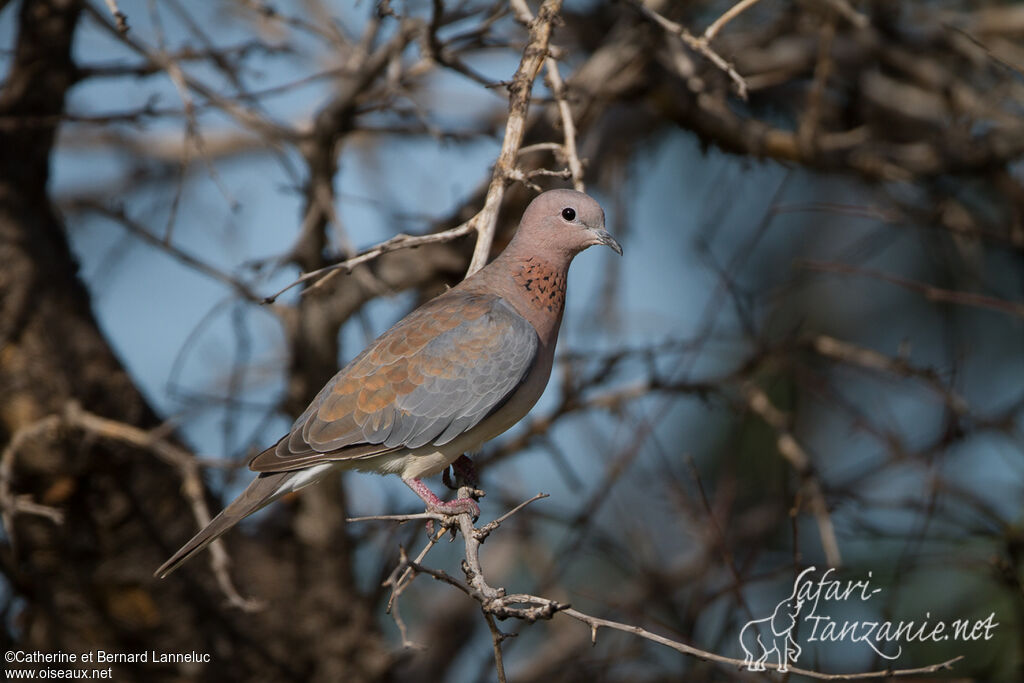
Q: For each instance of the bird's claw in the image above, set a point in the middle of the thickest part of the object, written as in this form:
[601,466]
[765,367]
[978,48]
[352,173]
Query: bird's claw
[459,506]
[462,505]
[450,509]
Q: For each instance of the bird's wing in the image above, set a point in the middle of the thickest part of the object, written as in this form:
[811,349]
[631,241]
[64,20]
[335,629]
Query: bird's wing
[433,376]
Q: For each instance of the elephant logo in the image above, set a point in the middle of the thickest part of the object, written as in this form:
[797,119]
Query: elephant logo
[761,638]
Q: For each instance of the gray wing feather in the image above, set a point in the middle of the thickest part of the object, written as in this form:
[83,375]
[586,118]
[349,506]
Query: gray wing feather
[445,407]
[464,373]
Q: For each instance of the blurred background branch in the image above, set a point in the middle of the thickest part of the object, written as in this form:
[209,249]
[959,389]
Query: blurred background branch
[811,354]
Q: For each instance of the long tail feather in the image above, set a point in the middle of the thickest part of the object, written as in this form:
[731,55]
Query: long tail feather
[264,490]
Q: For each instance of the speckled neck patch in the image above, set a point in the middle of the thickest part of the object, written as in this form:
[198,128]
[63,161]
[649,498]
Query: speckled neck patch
[543,285]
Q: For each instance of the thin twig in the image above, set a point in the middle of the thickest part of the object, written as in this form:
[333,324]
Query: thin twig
[728,15]
[595,623]
[398,585]
[192,487]
[486,529]
[139,230]
[497,603]
[119,17]
[794,453]
[496,637]
[847,12]
[432,516]
[568,148]
[12,505]
[558,91]
[193,132]
[394,244]
[931,293]
[534,54]
[845,352]
[696,44]
[807,130]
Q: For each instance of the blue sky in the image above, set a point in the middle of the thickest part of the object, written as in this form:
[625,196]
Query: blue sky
[687,207]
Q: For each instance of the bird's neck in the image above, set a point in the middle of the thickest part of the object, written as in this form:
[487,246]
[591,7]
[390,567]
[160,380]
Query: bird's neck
[536,289]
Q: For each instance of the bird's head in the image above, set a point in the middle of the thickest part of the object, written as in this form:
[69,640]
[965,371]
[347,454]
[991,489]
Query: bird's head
[565,221]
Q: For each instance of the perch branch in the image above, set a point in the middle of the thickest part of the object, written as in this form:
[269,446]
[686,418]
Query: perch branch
[496,603]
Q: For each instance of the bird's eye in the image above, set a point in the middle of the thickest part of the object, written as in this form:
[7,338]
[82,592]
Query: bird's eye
[569,214]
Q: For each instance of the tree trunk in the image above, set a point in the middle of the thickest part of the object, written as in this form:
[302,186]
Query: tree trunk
[86,584]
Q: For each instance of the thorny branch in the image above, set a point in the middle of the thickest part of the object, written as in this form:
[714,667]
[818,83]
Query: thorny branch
[12,505]
[933,105]
[931,293]
[702,44]
[484,222]
[558,91]
[156,442]
[393,244]
[119,16]
[795,454]
[497,603]
[520,90]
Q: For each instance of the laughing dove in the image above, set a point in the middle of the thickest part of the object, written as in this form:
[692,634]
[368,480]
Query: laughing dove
[456,372]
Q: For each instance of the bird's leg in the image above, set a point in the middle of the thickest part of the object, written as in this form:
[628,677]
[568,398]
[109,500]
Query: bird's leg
[465,474]
[435,504]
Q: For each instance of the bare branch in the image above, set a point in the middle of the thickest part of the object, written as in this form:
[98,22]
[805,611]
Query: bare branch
[520,88]
[119,16]
[394,244]
[496,603]
[794,453]
[718,24]
[931,293]
[845,10]
[595,623]
[138,230]
[557,86]
[10,504]
[694,43]
[186,464]
[496,637]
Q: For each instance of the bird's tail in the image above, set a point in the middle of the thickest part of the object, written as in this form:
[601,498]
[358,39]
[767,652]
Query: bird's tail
[264,490]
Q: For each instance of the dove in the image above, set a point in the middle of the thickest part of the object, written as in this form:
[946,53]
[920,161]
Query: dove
[454,373]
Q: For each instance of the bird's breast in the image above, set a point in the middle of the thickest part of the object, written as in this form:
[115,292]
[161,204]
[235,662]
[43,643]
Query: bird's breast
[525,397]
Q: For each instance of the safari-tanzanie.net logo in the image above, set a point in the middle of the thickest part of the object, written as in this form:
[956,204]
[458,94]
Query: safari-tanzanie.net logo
[772,642]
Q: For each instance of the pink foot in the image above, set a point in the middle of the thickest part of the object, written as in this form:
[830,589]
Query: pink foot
[435,504]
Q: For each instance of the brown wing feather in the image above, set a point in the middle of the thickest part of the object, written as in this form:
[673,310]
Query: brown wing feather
[435,374]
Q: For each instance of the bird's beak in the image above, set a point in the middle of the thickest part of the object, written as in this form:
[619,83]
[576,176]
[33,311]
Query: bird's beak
[604,237]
